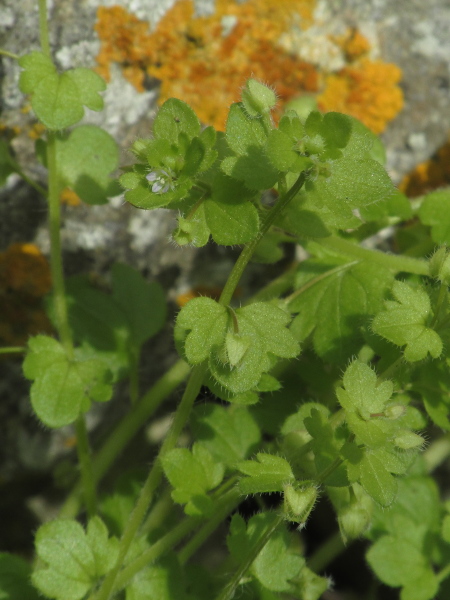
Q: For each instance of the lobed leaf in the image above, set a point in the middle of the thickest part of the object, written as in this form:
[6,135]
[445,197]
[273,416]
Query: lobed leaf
[405,323]
[75,559]
[192,474]
[86,159]
[63,388]
[334,299]
[58,99]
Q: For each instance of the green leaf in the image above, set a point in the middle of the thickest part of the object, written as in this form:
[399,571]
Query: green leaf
[192,474]
[275,565]
[366,468]
[404,322]
[86,159]
[350,179]
[247,138]
[334,300]
[206,321]
[143,303]
[163,581]
[265,325]
[173,118]
[362,393]
[433,383]
[75,559]
[243,134]
[58,99]
[63,388]
[229,214]
[15,579]
[268,474]
[435,211]
[230,434]
[398,563]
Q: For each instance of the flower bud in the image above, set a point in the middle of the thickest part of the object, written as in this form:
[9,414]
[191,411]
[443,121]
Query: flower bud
[298,503]
[408,440]
[257,98]
[440,265]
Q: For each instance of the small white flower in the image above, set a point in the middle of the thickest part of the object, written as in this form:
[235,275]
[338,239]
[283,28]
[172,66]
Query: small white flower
[161,181]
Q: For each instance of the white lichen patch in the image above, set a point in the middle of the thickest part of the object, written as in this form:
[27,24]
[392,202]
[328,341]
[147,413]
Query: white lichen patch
[146,10]
[81,54]
[145,228]
[123,104]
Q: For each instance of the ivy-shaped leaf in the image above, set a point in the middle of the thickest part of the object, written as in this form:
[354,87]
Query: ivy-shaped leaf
[269,473]
[229,214]
[63,388]
[230,433]
[334,299]
[405,322]
[247,136]
[192,474]
[86,159]
[75,559]
[58,99]
[263,331]
[206,321]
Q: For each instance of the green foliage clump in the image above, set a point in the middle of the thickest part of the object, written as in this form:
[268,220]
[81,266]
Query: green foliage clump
[321,386]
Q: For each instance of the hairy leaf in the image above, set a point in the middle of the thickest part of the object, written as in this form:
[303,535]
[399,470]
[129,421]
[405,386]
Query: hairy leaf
[405,322]
[75,559]
[58,99]
[63,388]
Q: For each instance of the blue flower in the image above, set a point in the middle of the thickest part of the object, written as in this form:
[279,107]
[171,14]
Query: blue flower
[161,180]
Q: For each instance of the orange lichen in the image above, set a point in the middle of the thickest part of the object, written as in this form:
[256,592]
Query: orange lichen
[206,60]
[354,44]
[429,175]
[69,197]
[24,280]
[367,90]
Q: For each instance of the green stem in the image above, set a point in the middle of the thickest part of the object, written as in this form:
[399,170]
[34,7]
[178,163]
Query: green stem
[85,462]
[159,548]
[327,552]
[154,478]
[318,279]
[389,261]
[247,252]
[221,510]
[43,28]
[56,265]
[443,292]
[9,54]
[159,512]
[12,350]
[443,573]
[31,182]
[126,429]
[230,589]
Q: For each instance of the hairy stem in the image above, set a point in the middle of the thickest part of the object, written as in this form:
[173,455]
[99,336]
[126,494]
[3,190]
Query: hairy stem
[154,478]
[85,462]
[126,429]
[230,589]
[389,261]
[221,510]
[247,252]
